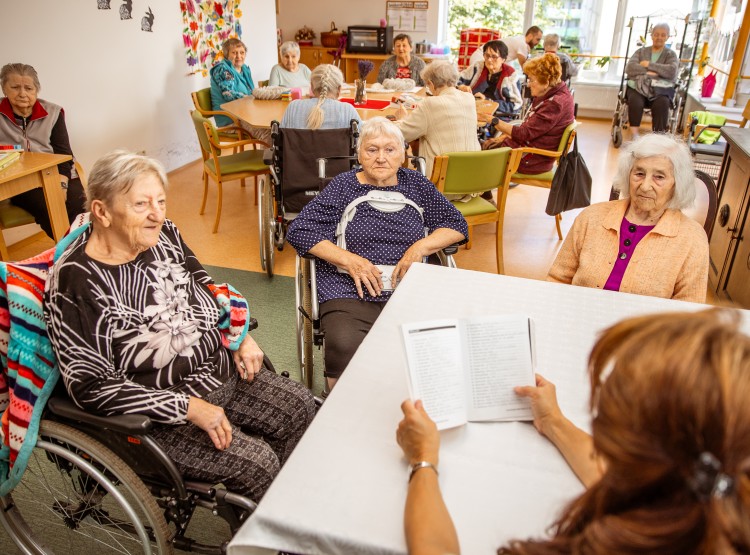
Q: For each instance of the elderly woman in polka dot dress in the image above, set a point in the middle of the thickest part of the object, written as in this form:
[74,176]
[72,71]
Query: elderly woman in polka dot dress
[350,286]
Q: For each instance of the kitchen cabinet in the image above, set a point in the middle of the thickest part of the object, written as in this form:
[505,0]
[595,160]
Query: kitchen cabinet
[729,246]
[313,56]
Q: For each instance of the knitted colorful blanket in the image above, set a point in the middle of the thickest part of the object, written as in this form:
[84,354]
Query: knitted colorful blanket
[28,372]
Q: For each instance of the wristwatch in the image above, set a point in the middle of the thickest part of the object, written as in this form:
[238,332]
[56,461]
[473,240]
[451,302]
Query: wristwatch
[64,185]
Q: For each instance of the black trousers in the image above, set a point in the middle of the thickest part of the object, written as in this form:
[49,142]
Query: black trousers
[33,202]
[345,323]
[659,105]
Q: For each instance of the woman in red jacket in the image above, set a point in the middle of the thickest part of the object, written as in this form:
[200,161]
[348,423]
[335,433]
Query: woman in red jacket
[551,112]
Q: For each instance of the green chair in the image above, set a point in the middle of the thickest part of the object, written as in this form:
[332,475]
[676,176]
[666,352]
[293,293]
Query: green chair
[240,165]
[462,173]
[202,102]
[545,179]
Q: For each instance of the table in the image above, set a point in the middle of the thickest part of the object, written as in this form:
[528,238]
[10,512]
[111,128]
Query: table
[39,169]
[260,113]
[343,489]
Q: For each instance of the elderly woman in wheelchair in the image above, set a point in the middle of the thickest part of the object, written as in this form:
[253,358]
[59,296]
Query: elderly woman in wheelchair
[367,227]
[652,71]
[139,327]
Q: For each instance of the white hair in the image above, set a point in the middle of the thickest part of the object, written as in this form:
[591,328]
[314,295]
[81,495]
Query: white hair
[669,147]
[289,46]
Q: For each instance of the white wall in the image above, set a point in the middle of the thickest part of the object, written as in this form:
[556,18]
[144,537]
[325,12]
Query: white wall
[293,14]
[120,86]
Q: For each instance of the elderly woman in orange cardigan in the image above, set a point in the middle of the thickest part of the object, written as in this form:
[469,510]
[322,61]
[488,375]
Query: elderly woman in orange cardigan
[642,243]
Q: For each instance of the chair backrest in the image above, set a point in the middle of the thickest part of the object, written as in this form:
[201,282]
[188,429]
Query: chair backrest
[263,83]
[202,100]
[295,155]
[81,174]
[568,136]
[199,121]
[472,172]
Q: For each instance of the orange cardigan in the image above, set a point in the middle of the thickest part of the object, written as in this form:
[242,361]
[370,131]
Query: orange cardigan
[671,261]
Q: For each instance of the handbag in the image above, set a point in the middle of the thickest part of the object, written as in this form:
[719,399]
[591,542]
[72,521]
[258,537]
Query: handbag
[571,185]
[708,85]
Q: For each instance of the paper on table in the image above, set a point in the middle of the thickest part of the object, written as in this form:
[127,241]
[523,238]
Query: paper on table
[384,90]
[465,370]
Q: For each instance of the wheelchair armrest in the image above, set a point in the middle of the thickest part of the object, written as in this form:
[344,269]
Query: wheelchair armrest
[136,424]
[268,156]
[450,250]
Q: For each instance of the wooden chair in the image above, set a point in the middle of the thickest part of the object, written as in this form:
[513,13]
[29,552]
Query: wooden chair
[14,216]
[545,179]
[462,173]
[240,165]
[263,83]
[202,103]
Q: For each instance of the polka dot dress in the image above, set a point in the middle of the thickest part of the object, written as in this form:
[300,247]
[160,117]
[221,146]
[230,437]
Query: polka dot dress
[380,237]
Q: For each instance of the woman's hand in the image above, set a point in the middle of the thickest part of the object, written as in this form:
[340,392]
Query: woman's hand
[543,404]
[212,420]
[248,358]
[494,142]
[479,96]
[364,273]
[417,434]
[484,118]
[401,112]
[644,63]
[413,254]
[464,88]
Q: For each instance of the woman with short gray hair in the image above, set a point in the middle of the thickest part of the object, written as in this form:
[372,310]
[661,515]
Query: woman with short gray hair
[652,72]
[443,122]
[138,327]
[37,125]
[641,243]
[290,73]
[230,78]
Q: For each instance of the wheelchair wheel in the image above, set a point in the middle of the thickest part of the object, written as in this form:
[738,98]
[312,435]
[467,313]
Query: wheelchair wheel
[617,137]
[76,496]
[304,322]
[266,226]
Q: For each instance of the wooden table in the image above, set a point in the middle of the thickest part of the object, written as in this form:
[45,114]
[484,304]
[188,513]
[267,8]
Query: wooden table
[343,489]
[260,113]
[39,169]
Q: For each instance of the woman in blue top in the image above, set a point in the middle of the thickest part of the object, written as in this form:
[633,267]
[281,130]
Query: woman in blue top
[350,285]
[323,110]
[230,78]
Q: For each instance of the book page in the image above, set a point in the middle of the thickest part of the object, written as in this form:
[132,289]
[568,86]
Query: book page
[436,372]
[499,357]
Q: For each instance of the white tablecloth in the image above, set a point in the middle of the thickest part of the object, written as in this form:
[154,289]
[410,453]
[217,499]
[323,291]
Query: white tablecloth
[344,487]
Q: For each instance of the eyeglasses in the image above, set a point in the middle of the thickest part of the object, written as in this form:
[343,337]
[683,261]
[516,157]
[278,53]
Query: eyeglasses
[491,57]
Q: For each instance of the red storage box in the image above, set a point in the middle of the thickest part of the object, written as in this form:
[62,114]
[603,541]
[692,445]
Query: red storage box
[471,39]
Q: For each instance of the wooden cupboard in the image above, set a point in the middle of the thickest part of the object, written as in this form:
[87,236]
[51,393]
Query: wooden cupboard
[313,56]
[729,246]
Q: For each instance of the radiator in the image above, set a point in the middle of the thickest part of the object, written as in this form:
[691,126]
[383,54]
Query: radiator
[596,100]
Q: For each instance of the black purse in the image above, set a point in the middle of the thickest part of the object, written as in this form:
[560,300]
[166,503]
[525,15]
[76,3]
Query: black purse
[571,185]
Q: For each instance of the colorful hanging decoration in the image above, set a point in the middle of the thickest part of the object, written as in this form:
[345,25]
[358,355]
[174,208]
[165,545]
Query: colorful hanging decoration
[207,25]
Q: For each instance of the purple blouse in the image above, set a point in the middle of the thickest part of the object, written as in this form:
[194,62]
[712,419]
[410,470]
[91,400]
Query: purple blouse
[630,236]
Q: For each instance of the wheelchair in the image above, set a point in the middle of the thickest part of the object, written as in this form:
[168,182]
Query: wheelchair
[686,28]
[292,160]
[102,484]
[310,334]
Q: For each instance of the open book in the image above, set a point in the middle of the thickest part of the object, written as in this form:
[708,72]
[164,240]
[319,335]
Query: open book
[465,370]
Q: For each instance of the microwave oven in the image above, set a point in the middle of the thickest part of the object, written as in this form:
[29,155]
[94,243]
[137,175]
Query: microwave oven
[369,39]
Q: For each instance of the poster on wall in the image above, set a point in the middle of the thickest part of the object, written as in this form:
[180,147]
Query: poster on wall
[207,24]
[407,16]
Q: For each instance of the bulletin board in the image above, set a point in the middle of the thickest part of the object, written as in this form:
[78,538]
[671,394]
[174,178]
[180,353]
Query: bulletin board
[408,16]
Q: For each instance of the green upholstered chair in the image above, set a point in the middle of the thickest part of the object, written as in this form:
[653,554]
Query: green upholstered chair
[462,173]
[240,165]
[545,179]
[202,102]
